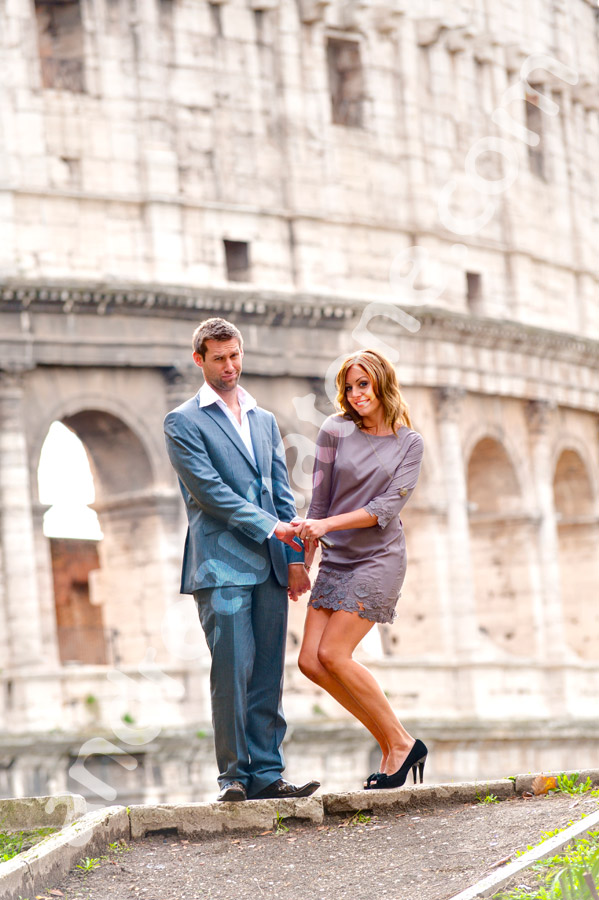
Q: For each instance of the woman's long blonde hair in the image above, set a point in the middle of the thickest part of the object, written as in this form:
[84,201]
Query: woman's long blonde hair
[385,386]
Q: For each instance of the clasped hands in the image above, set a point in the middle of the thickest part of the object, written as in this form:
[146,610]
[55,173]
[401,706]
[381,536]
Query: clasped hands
[309,530]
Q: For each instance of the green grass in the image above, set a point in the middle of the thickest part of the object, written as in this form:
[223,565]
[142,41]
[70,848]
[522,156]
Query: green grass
[14,842]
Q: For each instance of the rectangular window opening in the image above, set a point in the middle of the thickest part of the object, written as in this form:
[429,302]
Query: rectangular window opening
[474,291]
[60,44]
[346,82]
[534,123]
[237,257]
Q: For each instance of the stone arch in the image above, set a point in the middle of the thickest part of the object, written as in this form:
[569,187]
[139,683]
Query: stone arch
[81,408]
[578,542]
[502,545]
[120,463]
[509,456]
[573,485]
[135,578]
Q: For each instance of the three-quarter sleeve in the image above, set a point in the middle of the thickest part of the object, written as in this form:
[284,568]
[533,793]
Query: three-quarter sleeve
[388,505]
[322,476]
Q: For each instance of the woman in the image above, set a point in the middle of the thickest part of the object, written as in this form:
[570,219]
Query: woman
[367,464]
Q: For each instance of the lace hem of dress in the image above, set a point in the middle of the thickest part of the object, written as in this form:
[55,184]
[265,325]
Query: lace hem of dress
[350,592]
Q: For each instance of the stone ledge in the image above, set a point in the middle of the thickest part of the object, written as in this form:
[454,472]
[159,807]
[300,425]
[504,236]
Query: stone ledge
[422,794]
[25,813]
[193,819]
[16,880]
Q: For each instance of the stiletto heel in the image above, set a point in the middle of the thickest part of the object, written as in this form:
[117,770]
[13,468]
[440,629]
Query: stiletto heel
[415,760]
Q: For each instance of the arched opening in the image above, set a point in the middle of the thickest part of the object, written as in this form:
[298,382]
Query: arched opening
[578,536]
[66,486]
[111,592]
[502,542]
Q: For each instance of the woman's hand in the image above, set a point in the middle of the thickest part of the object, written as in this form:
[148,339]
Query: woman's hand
[309,553]
[310,529]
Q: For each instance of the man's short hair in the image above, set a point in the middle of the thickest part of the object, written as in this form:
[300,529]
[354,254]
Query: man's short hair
[215,329]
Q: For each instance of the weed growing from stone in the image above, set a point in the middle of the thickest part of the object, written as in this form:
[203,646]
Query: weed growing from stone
[87,864]
[278,825]
[568,784]
[359,818]
[487,799]
[119,846]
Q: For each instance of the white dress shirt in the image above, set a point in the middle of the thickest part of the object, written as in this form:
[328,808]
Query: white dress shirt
[208,396]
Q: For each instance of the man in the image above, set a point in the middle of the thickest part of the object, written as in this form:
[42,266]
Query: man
[240,557]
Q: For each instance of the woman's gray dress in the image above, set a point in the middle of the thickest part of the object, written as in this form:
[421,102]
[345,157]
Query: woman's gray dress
[365,570]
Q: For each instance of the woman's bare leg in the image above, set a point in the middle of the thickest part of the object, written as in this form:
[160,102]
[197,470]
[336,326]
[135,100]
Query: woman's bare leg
[317,621]
[342,634]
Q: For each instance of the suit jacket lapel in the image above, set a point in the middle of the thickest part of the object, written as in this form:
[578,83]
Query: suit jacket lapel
[221,419]
[258,443]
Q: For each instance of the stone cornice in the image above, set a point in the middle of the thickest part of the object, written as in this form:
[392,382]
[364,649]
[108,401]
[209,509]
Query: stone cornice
[102,299]
[293,309]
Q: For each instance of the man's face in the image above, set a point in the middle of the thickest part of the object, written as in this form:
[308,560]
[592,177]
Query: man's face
[222,364]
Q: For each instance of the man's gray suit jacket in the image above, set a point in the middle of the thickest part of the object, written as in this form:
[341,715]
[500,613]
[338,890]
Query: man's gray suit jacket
[232,502]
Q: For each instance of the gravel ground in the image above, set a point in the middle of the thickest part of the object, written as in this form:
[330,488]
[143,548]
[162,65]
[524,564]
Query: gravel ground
[417,855]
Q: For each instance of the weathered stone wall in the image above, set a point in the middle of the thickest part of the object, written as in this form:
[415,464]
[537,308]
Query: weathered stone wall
[196,123]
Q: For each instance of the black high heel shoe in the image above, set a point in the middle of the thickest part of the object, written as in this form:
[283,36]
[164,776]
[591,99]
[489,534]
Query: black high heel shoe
[371,780]
[415,760]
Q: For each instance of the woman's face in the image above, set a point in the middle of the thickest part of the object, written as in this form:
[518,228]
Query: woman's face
[360,392]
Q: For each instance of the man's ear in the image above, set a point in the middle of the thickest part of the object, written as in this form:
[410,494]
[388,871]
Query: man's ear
[198,359]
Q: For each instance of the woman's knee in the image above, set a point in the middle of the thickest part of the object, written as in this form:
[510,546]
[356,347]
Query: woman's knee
[328,658]
[308,665]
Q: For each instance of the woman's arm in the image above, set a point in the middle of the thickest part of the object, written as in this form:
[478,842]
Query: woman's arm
[381,509]
[322,475]
[312,529]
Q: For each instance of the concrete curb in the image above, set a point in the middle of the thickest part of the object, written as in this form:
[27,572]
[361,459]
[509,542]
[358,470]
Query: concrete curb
[193,819]
[28,873]
[422,794]
[52,858]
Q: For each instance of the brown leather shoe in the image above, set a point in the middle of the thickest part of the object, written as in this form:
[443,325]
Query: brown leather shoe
[232,792]
[281,789]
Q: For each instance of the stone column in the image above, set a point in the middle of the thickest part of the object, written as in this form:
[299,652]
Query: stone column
[550,622]
[466,640]
[182,382]
[45,585]
[21,599]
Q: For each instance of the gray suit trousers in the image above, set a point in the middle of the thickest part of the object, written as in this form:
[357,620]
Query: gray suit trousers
[245,627]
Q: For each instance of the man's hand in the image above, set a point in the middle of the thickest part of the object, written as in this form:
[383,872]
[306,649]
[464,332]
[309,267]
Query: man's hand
[299,581]
[311,529]
[286,533]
